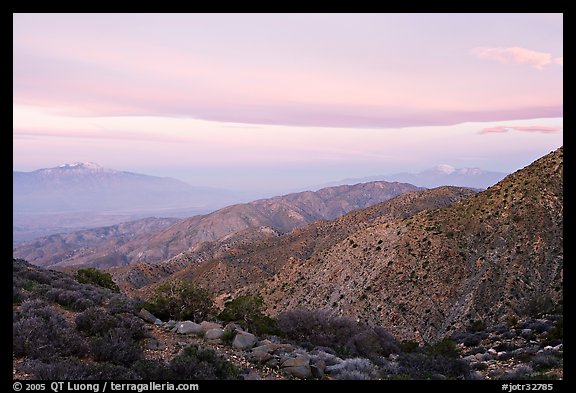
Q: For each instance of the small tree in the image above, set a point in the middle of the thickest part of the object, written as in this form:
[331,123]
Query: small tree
[182,300]
[94,276]
[246,310]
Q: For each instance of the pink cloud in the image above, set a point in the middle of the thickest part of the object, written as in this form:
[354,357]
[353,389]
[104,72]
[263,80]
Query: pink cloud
[504,129]
[514,55]
[559,60]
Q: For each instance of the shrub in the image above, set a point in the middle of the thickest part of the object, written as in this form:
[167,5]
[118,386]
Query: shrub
[97,322]
[96,277]
[74,369]
[424,366]
[355,369]
[409,346]
[153,370]
[40,332]
[476,326]
[72,299]
[544,361]
[373,342]
[117,346]
[246,311]
[445,348]
[317,328]
[202,363]
[181,301]
[520,372]
[228,336]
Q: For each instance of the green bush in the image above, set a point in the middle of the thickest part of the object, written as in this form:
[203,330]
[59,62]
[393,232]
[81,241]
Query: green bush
[246,311]
[476,326]
[181,300]
[94,276]
[446,348]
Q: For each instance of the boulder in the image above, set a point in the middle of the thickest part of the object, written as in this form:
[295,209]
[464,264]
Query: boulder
[189,327]
[303,371]
[260,356]
[147,316]
[318,368]
[158,322]
[251,376]
[296,362]
[214,334]
[233,327]
[170,324]
[210,325]
[244,340]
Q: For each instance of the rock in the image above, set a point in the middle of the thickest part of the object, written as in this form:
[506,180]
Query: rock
[189,327]
[273,362]
[170,324]
[154,345]
[210,325]
[214,334]
[244,340]
[260,356]
[296,362]
[158,322]
[440,377]
[492,351]
[303,371]
[548,348]
[558,347]
[233,327]
[263,342]
[147,316]
[318,368]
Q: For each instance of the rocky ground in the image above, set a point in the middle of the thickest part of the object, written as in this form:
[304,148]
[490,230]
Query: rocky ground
[528,349]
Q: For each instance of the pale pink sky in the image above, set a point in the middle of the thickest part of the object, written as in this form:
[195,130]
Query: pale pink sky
[260,100]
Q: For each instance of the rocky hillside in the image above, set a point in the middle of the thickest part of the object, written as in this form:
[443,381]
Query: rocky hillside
[281,214]
[243,261]
[494,256]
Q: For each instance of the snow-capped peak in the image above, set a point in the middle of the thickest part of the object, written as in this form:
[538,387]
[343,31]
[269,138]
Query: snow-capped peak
[445,168]
[81,165]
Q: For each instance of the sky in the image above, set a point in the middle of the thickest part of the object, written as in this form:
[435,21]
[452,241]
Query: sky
[284,101]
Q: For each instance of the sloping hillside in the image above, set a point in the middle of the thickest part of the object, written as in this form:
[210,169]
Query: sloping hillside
[491,257]
[239,263]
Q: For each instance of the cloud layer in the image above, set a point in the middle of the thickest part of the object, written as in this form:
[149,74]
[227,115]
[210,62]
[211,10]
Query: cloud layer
[516,55]
[504,129]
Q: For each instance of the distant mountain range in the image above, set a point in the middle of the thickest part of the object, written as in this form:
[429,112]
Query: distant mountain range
[280,214]
[89,187]
[440,175]
[83,195]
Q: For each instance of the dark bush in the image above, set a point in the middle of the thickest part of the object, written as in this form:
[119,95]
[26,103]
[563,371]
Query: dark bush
[472,340]
[154,370]
[97,322]
[317,328]
[117,347]
[246,311]
[476,326]
[96,277]
[202,363]
[545,361]
[557,332]
[373,342]
[72,299]
[409,346]
[40,332]
[181,301]
[74,369]
[446,348]
[423,366]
